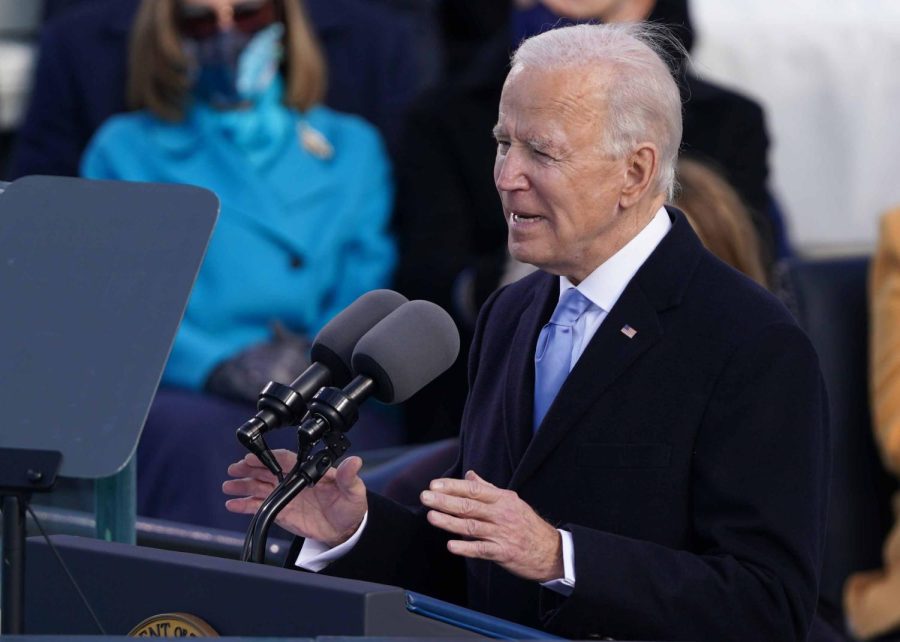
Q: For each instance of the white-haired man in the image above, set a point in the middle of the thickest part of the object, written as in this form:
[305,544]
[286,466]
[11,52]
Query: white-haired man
[644,448]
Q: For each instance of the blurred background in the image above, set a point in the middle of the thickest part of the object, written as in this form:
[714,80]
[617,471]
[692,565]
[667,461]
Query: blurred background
[825,73]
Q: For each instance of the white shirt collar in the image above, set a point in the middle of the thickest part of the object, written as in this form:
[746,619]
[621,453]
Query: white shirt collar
[605,284]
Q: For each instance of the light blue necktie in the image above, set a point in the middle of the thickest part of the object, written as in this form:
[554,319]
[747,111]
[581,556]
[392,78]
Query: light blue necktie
[553,355]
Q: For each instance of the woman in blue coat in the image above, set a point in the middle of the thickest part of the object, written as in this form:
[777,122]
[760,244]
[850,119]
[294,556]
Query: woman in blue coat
[227,96]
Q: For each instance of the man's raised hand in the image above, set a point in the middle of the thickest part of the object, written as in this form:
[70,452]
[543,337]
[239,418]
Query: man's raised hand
[329,512]
[497,525]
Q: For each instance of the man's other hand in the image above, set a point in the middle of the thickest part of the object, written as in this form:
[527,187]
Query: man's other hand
[497,525]
[329,512]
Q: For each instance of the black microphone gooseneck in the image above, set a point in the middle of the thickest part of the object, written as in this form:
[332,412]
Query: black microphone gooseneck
[394,360]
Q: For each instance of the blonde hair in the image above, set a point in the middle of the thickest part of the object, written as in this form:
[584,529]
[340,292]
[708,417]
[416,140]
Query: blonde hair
[158,69]
[719,218]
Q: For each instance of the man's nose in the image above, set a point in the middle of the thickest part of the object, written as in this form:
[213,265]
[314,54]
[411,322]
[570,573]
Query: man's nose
[509,173]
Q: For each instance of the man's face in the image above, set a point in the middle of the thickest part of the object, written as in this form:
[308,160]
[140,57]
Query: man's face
[559,189]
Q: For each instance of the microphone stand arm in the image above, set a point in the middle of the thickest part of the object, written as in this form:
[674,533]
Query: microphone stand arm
[310,472]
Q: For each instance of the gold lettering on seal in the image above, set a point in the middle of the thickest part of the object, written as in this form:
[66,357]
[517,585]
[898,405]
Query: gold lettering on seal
[173,625]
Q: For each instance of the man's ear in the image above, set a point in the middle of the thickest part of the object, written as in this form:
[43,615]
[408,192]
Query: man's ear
[641,169]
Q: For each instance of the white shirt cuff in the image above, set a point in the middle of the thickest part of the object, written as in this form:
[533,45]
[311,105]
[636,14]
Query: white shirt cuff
[566,584]
[314,555]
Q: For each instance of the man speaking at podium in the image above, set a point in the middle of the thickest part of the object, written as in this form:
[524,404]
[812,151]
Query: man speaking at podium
[644,449]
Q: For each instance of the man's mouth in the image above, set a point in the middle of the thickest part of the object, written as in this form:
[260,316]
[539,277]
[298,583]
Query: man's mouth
[520,218]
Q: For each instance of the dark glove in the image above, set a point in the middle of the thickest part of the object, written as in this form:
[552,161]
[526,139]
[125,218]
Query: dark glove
[244,375]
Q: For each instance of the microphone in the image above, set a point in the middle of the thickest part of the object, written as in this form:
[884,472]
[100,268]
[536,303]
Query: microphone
[331,355]
[406,350]
[399,356]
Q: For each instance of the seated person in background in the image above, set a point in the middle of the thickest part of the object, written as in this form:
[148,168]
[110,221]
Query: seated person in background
[719,218]
[228,93]
[872,598]
[644,449]
[230,103]
[80,76]
[445,198]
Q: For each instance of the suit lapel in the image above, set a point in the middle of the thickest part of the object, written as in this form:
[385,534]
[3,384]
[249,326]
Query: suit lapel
[519,398]
[606,357]
[657,286]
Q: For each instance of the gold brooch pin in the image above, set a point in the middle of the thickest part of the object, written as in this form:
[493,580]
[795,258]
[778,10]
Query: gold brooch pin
[314,141]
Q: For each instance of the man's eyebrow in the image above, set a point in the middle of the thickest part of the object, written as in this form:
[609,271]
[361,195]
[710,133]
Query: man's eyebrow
[545,143]
[497,131]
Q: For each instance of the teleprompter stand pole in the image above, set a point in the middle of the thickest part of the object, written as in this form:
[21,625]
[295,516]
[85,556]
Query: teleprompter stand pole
[22,472]
[13,565]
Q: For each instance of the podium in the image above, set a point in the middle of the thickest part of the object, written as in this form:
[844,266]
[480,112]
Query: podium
[127,584]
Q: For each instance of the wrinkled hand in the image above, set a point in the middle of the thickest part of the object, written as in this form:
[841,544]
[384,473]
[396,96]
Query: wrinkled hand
[329,512]
[498,525]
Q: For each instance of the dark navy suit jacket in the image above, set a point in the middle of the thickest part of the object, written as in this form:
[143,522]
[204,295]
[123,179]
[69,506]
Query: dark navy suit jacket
[690,462]
[80,77]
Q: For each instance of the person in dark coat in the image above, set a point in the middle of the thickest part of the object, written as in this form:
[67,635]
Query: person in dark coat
[452,239]
[645,447]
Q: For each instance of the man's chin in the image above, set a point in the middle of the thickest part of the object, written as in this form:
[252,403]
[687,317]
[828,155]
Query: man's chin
[522,255]
[529,252]
[543,262]
[537,264]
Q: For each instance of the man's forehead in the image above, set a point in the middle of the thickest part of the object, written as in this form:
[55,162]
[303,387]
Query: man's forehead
[569,94]
[593,73]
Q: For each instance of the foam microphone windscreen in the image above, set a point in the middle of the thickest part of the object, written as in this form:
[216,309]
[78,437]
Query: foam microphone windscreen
[333,346]
[407,349]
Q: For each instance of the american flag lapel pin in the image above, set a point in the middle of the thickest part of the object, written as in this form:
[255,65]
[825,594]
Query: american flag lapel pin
[628,331]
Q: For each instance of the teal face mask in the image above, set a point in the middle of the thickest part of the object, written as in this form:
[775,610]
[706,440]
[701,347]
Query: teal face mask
[233,68]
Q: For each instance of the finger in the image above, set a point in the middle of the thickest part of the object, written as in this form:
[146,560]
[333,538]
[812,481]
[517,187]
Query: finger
[473,475]
[474,488]
[245,505]
[458,506]
[478,549]
[246,487]
[252,461]
[242,469]
[460,526]
[347,477]
[286,458]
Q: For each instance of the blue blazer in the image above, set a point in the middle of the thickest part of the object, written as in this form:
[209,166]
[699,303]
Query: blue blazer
[690,462]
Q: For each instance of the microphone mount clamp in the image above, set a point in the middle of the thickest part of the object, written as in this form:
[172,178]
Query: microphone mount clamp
[278,405]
